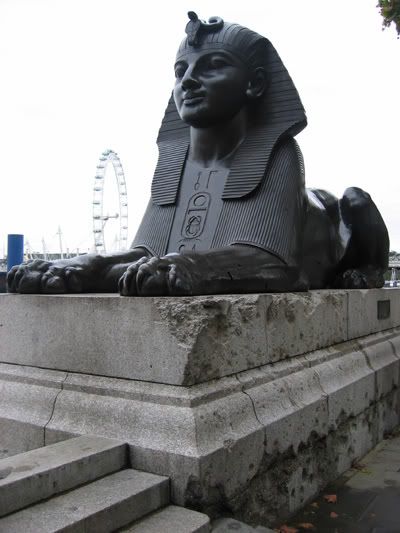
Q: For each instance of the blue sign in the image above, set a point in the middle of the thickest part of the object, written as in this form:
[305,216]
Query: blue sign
[15,250]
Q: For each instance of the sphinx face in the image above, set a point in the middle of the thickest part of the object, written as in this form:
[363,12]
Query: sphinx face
[210,87]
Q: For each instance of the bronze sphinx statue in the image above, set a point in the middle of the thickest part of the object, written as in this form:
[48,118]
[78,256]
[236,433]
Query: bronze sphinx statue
[229,211]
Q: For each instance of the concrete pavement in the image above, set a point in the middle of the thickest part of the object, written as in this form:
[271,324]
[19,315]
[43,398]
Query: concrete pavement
[366,499]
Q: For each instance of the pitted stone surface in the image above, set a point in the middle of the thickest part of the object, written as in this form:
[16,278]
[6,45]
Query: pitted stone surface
[181,341]
[349,385]
[291,409]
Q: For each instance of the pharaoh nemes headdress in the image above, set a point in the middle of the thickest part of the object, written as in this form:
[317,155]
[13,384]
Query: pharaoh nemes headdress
[279,113]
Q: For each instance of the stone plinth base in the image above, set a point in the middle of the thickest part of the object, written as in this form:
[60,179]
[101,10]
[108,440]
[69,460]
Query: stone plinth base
[251,404]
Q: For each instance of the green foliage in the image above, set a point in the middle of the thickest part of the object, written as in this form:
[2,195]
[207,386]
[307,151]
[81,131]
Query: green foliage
[390,11]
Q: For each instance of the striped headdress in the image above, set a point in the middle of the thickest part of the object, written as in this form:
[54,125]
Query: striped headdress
[278,113]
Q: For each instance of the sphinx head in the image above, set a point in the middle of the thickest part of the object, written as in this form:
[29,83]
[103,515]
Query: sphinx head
[220,71]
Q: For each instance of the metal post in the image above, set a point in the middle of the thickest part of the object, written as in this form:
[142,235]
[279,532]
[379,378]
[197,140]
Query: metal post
[15,250]
[59,233]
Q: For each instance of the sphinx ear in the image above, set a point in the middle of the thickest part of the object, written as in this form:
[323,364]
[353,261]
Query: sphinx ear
[257,84]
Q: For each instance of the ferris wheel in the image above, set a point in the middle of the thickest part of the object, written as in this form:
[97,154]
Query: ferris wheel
[99,218]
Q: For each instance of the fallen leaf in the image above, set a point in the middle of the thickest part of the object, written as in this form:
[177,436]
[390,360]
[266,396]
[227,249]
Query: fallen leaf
[333,514]
[287,529]
[306,525]
[361,468]
[315,504]
[330,498]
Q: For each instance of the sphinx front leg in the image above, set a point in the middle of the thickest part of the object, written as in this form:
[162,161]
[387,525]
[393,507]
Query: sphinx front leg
[86,273]
[233,269]
[172,275]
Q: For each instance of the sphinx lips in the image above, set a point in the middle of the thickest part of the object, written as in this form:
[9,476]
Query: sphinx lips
[193,99]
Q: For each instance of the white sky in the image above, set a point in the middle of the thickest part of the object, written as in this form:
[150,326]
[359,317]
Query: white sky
[79,76]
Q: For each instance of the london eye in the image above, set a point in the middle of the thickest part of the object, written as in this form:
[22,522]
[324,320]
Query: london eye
[120,211]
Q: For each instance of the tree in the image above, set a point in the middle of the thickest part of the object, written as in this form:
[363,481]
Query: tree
[390,11]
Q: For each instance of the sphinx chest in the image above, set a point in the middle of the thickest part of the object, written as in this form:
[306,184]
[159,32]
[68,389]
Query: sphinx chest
[198,208]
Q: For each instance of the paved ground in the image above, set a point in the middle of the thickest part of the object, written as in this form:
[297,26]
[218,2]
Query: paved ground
[366,499]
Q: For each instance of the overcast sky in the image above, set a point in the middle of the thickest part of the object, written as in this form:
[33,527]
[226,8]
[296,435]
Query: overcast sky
[79,76]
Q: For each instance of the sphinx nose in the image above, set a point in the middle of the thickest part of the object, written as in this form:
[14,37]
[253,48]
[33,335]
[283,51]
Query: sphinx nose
[189,80]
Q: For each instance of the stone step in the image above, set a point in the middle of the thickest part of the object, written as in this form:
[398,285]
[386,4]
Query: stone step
[36,475]
[102,506]
[171,519]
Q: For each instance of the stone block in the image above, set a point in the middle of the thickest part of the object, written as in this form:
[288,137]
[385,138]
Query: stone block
[200,434]
[200,431]
[292,409]
[388,413]
[303,483]
[268,382]
[104,335]
[367,315]
[296,322]
[17,437]
[384,361]
[363,433]
[348,383]
[179,341]
[27,402]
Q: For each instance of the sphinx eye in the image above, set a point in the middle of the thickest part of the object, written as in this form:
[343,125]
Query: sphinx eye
[180,70]
[218,62]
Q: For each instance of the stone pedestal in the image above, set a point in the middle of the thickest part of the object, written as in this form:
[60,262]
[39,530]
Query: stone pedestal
[250,403]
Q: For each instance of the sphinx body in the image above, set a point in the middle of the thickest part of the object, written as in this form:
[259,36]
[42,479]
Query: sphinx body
[229,211]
